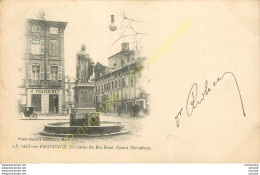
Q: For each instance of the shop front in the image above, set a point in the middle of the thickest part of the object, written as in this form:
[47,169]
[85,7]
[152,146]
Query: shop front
[45,101]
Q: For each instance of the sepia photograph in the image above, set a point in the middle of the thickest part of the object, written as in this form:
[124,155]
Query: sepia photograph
[129,81]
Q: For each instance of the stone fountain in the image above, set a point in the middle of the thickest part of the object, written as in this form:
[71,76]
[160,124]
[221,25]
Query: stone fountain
[84,120]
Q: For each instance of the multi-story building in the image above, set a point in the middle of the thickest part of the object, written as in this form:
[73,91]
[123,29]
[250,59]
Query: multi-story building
[124,77]
[44,80]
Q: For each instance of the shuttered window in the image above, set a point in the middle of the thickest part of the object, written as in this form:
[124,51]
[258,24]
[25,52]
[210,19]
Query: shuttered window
[35,47]
[53,30]
[54,47]
[54,72]
[35,28]
[36,72]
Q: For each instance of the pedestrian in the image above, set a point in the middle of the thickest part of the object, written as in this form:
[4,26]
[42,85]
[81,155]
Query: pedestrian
[136,110]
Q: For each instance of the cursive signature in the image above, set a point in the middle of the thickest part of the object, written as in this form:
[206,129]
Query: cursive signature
[193,101]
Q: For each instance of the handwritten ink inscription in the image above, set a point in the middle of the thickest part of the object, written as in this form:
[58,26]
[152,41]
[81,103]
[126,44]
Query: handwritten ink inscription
[193,101]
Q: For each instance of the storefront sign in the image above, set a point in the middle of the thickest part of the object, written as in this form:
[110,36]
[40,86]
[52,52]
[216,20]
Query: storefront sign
[44,91]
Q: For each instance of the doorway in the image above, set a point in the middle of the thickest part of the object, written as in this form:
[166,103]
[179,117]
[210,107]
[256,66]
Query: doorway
[36,102]
[54,103]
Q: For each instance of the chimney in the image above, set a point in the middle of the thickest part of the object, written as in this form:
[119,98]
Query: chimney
[125,46]
[40,15]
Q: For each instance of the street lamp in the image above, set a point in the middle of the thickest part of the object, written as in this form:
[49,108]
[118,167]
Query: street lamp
[112,26]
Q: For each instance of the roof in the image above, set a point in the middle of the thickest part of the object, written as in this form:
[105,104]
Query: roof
[99,64]
[125,52]
[111,70]
[45,21]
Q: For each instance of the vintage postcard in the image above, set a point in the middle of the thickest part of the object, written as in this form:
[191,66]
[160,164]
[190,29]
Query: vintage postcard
[129,81]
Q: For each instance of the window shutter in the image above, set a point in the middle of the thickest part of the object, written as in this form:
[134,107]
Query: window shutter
[42,47]
[29,72]
[55,48]
[59,73]
[42,72]
[48,72]
[50,48]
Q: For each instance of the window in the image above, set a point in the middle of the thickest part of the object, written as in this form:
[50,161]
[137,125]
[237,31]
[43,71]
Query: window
[36,102]
[53,30]
[123,82]
[35,46]
[54,72]
[35,72]
[116,84]
[112,85]
[35,28]
[119,83]
[53,47]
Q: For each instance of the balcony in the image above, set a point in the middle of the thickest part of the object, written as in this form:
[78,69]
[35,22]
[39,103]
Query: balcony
[44,83]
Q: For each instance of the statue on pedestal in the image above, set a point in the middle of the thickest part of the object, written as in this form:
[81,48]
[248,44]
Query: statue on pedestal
[84,91]
[84,65]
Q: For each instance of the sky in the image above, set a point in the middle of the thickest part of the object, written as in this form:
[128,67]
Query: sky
[89,24]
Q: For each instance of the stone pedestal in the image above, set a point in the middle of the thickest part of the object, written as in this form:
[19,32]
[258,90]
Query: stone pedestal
[84,112]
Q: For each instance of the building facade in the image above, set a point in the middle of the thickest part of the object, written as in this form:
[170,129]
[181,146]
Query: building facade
[124,77]
[44,82]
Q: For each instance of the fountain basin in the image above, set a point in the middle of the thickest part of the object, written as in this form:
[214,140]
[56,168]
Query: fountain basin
[106,128]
